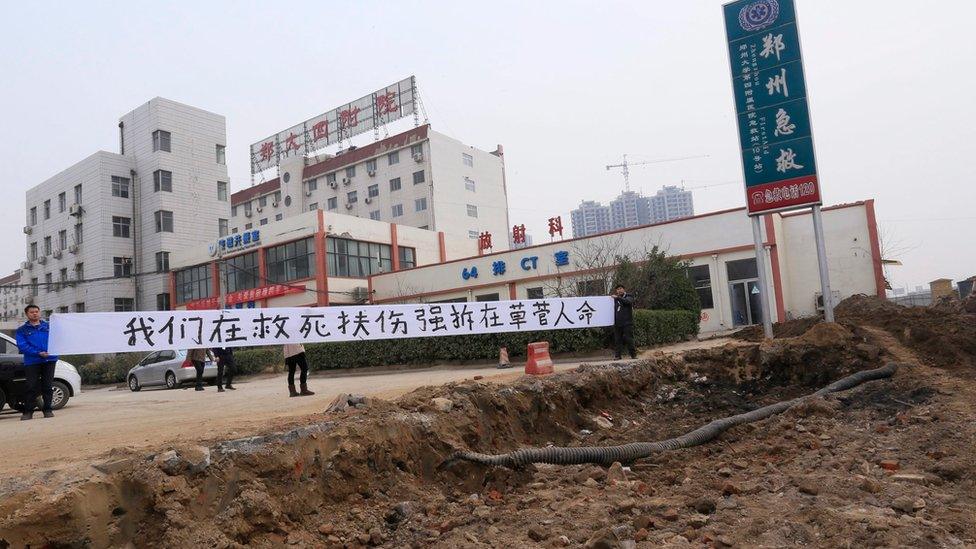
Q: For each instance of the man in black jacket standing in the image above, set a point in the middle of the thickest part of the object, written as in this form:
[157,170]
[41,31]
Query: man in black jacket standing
[623,322]
[225,368]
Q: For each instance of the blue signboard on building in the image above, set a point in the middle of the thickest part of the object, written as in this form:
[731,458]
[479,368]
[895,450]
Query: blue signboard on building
[771,105]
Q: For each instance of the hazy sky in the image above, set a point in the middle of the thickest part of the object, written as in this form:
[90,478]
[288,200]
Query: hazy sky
[566,87]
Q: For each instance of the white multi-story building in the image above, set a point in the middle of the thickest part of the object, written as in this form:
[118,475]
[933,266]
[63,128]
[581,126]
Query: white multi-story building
[12,296]
[99,233]
[419,178]
[629,209]
[671,203]
[590,218]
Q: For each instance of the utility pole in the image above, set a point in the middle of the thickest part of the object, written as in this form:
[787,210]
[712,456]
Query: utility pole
[221,278]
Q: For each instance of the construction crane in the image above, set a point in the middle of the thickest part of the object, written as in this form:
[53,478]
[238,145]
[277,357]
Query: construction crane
[626,166]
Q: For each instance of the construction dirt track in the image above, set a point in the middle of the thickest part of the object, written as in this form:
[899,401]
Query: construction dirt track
[889,463]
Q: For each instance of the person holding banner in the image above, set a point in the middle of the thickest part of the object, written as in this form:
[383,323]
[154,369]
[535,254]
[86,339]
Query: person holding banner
[623,322]
[225,368]
[199,358]
[38,364]
[295,356]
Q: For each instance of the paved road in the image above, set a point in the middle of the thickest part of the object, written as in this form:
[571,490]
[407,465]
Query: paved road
[102,419]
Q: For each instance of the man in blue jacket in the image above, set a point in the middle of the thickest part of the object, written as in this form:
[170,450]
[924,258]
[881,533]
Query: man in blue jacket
[38,364]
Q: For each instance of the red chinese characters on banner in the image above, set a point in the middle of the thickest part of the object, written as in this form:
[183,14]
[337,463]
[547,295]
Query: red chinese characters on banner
[386,103]
[556,226]
[484,241]
[518,234]
[291,143]
[267,150]
[349,117]
[320,130]
[243,296]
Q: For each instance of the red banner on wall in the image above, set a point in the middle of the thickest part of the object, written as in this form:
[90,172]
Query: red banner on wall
[243,296]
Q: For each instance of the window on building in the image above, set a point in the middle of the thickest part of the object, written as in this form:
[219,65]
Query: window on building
[397,210]
[33,216]
[120,226]
[79,271]
[47,313]
[420,204]
[63,275]
[223,226]
[742,269]
[164,221]
[373,190]
[418,177]
[352,197]
[472,210]
[279,217]
[79,233]
[78,193]
[63,239]
[122,267]
[371,165]
[333,202]
[49,283]
[242,272]
[357,259]
[221,154]
[701,279]
[374,215]
[120,186]
[47,209]
[162,262]
[263,221]
[262,202]
[222,191]
[248,226]
[291,261]
[33,251]
[124,304]
[472,234]
[330,178]
[47,245]
[486,297]
[234,230]
[162,181]
[408,257]
[62,202]
[469,184]
[277,198]
[80,307]
[467,160]
[233,211]
[416,150]
[161,141]
[313,206]
[535,293]
[424,227]
[395,184]
[162,302]
[63,309]
[597,286]
[351,172]
[393,158]
[33,288]
[193,283]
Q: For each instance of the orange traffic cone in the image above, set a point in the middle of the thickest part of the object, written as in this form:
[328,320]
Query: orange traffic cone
[503,358]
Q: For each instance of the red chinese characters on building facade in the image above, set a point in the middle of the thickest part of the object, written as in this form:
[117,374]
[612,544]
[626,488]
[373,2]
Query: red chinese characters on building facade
[320,130]
[484,241]
[291,143]
[518,234]
[349,117]
[556,226]
[267,150]
[386,103]
[243,296]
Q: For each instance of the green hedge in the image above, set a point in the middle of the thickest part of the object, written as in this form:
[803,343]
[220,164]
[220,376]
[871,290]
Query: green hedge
[650,328]
[111,370]
[258,359]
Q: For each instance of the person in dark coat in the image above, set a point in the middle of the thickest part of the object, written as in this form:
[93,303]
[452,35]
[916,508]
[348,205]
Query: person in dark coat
[623,322]
[38,364]
[225,368]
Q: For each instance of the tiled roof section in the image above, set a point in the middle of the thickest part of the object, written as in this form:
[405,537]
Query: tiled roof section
[358,154]
[11,279]
[255,191]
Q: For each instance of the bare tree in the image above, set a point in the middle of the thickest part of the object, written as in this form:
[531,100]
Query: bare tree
[594,261]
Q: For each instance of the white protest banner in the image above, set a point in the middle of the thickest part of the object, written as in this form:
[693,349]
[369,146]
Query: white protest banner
[85,333]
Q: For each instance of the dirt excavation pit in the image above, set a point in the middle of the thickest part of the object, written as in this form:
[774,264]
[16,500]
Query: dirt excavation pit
[889,463]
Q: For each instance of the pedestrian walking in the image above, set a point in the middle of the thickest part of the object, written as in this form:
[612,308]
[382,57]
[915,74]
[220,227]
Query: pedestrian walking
[295,356]
[623,322]
[225,368]
[38,364]
[199,359]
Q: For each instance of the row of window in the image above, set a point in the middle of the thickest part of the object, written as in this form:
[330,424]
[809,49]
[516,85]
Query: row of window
[62,206]
[120,305]
[62,242]
[162,141]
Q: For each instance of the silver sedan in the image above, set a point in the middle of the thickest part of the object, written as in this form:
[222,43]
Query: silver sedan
[169,368]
